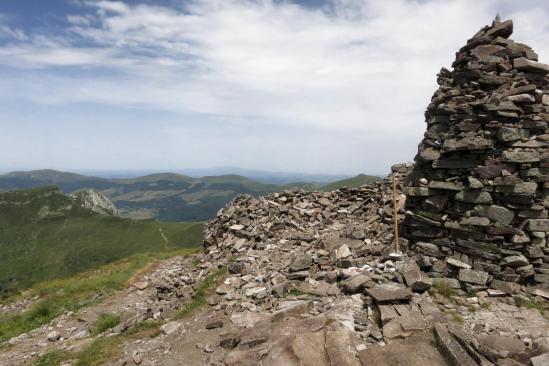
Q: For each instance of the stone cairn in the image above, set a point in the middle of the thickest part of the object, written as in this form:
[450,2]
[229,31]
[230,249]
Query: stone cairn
[478,192]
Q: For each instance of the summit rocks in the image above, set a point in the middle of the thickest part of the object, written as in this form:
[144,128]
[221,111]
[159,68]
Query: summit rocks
[488,166]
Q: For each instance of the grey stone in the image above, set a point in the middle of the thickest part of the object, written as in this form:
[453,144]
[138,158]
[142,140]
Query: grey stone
[473,196]
[451,349]
[519,156]
[474,277]
[508,134]
[229,340]
[541,360]
[300,262]
[449,186]
[500,214]
[292,309]
[355,283]
[523,64]
[417,280]
[172,327]
[389,292]
[475,221]
[507,287]
[514,261]
[387,313]
[416,191]
[496,346]
[537,225]
[521,98]
[53,336]
[503,29]
[458,264]
[473,143]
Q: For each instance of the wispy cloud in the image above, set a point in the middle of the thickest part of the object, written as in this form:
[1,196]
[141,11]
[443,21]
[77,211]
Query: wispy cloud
[361,66]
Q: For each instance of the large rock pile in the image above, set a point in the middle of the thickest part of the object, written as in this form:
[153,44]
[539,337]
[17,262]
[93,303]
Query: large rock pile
[297,218]
[478,192]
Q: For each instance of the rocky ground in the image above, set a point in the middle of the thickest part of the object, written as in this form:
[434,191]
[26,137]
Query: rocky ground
[310,279]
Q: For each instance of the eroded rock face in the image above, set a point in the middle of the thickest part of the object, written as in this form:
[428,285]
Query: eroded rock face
[96,202]
[478,191]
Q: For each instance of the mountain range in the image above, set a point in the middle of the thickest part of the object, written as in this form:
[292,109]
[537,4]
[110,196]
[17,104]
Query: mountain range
[164,196]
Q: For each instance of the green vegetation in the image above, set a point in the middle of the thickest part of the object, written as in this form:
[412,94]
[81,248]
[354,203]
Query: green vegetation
[106,321]
[456,318]
[295,292]
[102,350]
[71,294]
[199,296]
[45,235]
[443,289]
[526,302]
[166,196]
[53,358]
[357,181]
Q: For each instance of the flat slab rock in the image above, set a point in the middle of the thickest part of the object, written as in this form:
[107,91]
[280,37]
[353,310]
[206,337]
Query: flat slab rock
[389,292]
[450,348]
[416,350]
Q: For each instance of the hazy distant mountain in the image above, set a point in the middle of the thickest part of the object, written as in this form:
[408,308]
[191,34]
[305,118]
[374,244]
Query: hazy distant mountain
[257,175]
[162,196]
[357,181]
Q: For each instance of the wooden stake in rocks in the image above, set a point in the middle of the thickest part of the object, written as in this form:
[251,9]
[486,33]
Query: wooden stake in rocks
[395,214]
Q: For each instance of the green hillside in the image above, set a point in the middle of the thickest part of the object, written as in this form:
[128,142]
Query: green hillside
[45,234]
[357,181]
[164,196]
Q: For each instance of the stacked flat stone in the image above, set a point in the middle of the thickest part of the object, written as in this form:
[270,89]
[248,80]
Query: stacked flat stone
[478,191]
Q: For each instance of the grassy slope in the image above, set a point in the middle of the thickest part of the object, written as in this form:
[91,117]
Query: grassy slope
[357,181]
[68,239]
[75,292]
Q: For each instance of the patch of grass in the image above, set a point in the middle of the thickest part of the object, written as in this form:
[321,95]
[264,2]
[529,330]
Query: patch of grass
[199,296]
[457,318]
[231,259]
[100,352]
[46,235]
[106,349]
[485,306]
[444,289]
[52,358]
[295,292]
[106,321]
[525,302]
[150,328]
[73,293]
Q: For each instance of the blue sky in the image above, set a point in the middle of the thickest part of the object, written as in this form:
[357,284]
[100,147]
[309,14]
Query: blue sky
[337,86]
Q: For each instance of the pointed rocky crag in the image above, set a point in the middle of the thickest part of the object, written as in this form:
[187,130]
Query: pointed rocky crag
[478,192]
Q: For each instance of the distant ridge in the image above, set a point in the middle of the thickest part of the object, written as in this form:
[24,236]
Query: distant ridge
[357,181]
[164,196]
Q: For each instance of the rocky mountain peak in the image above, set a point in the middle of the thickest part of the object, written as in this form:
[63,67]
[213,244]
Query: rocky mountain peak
[96,202]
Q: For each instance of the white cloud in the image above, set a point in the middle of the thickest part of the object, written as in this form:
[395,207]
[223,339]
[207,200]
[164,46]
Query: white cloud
[361,66]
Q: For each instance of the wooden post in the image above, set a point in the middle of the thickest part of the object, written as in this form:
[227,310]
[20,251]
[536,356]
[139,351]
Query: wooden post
[395,214]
